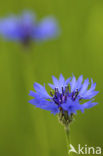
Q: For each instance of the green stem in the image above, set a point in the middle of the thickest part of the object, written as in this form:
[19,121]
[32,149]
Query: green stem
[67,130]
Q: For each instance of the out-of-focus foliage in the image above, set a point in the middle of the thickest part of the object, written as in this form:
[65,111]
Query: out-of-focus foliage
[24,130]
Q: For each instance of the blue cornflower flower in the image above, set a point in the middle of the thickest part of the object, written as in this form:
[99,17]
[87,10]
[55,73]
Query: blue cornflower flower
[25,28]
[66,97]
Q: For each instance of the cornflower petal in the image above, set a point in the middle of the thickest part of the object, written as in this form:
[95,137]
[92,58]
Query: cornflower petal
[47,28]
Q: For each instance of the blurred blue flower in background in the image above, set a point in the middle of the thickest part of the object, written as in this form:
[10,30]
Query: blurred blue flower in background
[66,97]
[25,28]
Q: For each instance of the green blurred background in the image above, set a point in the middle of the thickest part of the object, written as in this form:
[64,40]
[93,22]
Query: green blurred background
[24,130]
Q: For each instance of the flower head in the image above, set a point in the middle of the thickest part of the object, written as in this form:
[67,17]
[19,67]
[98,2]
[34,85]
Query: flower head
[66,98]
[25,28]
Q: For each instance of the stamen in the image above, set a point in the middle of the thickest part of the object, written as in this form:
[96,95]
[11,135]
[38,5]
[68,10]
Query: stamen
[60,98]
[62,91]
[56,91]
[51,93]
[73,93]
[76,93]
